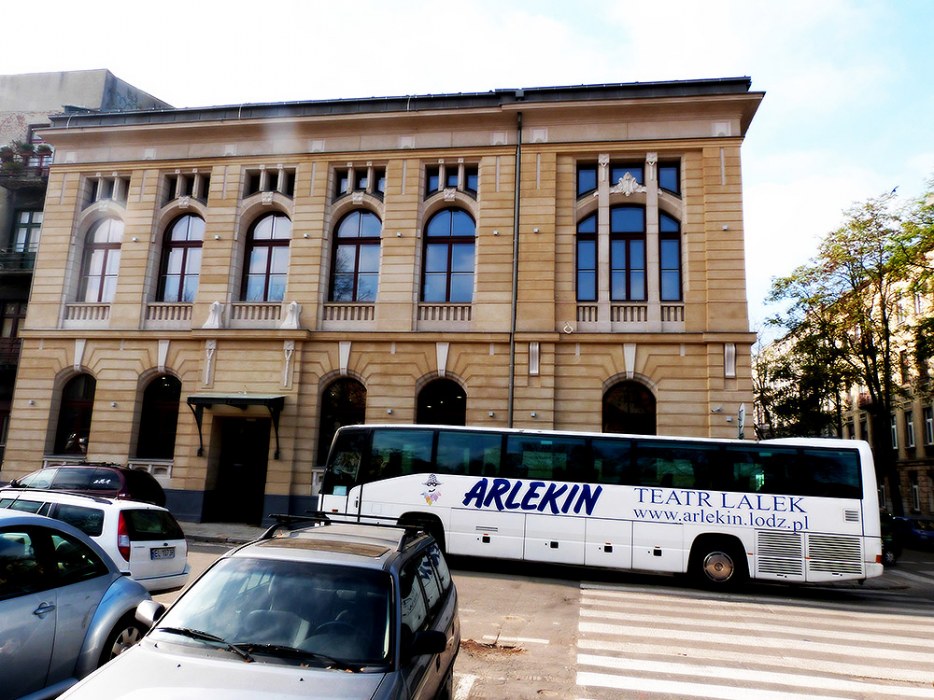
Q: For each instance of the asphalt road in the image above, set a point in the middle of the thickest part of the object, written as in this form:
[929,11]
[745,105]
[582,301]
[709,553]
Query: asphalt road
[533,631]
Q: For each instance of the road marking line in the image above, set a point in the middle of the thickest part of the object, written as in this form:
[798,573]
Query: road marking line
[514,640]
[752,676]
[464,685]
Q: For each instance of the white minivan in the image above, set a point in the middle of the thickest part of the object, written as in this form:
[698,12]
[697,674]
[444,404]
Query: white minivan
[143,539]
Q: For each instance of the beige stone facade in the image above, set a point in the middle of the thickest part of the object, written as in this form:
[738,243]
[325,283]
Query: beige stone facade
[531,350]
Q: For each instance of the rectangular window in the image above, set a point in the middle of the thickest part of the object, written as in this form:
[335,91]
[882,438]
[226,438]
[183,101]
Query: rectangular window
[99,189]
[544,458]
[432,179]
[928,414]
[26,235]
[618,172]
[669,177]
[586,179]
[909,429]
[476,454]
[280,180]
[893,429]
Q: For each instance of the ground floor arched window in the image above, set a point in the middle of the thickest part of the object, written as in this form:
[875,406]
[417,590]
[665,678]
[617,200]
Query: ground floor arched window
[629,407]
[442,402]
[159,418]
[74,416]
[343,403]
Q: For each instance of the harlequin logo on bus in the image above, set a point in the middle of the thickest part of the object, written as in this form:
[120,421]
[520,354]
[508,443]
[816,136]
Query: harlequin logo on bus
[431,494]
[506,494]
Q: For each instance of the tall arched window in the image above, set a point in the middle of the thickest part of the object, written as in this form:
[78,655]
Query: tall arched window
[101,261]
[629,407]
[343,403]
[450,238]
[627,253]
[669,254]
[355,269]
[267,259]
[442,402]
[181,260]
[587,259]
[74,416]
[158,420]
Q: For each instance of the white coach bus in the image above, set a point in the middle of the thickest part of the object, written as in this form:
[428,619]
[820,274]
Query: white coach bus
[795,510]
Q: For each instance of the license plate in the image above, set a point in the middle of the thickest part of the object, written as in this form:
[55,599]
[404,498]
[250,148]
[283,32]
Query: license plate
[162,553]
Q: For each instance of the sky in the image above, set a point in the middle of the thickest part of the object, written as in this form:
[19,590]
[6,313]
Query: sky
[848,112]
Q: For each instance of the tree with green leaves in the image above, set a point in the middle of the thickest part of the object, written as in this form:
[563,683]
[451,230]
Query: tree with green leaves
[843,322]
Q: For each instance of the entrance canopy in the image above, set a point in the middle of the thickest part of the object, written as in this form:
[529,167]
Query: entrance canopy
[243,400]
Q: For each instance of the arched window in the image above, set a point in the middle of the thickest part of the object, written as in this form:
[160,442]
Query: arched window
[181,260]
[355,268]
[450,237]
[101,261]
[74,416]
[627,253]
[158,420]
[442,402]
[587,259]
[343,403]
[267,259]
[669,254]
[629,407]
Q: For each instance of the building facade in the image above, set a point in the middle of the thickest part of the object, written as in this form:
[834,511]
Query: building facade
[26,101]
[219,288]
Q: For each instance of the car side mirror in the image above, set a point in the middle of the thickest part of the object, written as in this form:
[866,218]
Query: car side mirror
[14,483]
[149,612]
[428,642]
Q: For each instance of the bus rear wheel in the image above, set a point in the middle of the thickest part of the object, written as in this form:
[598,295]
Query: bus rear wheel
[429,524]
[718,564]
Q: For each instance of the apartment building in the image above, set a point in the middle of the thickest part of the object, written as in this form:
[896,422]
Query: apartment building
[218,289]
[26,101]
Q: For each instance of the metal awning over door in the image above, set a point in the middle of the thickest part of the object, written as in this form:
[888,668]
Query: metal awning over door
[273,403]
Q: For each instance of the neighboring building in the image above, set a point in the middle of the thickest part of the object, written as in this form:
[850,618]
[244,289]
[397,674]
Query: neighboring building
[26,101]
[218,289]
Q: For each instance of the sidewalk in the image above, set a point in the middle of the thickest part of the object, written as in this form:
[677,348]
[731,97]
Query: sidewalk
[221,533]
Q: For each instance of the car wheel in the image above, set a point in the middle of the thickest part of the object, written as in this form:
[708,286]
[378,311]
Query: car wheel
[125,634]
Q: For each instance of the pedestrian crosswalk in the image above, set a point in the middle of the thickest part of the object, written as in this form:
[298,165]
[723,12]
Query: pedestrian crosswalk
[668,643]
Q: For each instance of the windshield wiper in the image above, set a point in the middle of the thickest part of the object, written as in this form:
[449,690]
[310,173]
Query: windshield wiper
[208,637]
[295,653]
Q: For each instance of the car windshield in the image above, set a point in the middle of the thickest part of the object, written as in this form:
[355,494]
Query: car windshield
[271,608]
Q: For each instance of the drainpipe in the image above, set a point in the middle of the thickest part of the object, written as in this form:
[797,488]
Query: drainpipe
[515,271]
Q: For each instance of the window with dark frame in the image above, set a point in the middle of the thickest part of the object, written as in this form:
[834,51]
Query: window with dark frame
[448,274]
[74,416]
[267,259]
[101,262]
[669,176]
[159,418]
[587,259]
[586,178]
[279,180]
[669,244]
[462,177]
[27,230]
[181,260]
[355,263]
[627,253]
[369,179]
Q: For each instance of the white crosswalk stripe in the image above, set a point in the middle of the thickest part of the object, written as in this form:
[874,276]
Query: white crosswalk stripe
[662,643]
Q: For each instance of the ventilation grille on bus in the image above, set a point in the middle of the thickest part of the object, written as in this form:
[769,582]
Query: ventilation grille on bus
[780,554]
[851,516]
[835,554]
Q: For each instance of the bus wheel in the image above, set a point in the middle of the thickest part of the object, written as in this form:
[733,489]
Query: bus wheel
[718,564]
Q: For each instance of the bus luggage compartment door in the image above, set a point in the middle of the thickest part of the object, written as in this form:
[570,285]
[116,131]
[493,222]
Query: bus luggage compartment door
[554,538]
[488,534]
[658,547]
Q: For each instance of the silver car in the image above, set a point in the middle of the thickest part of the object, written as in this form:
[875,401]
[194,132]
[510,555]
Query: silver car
[323,610]
[65,608]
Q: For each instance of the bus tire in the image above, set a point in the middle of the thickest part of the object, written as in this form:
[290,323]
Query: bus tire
[718,562]
[430,524]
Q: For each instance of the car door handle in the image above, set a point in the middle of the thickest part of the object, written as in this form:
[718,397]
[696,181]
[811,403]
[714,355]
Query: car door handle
[43,609]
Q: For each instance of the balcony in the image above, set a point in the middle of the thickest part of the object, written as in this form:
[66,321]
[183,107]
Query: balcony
[348,316]
[9,351]
[630,317]
[87,315]
[17,261]
[14,176]
[167,316]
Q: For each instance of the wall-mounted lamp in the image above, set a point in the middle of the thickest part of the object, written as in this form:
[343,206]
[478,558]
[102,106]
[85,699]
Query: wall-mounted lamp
[726,227]
[716,409]
[31,402]
[134,239]
[495,232]
[491,414]
[306,235]
[389,411]
[217,236]
[533,414]
[398,234]
[535,230]
[113,404]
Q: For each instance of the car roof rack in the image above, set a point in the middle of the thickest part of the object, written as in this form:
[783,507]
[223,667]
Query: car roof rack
[17,492]
[411,531]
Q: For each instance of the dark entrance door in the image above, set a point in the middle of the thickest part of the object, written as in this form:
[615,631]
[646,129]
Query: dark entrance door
[241,473]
